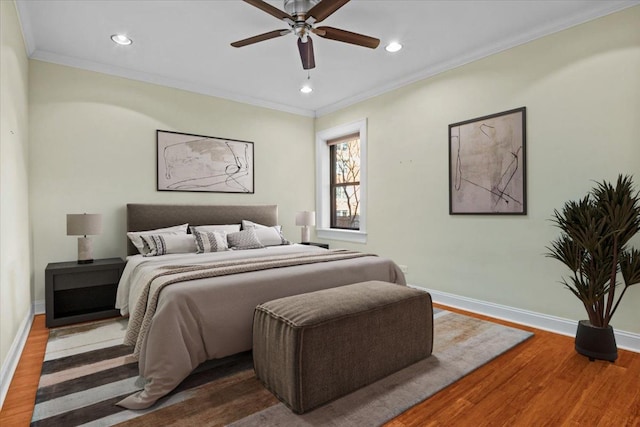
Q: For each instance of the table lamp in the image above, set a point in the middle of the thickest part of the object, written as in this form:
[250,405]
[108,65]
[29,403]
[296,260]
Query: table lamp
[84,225]
[305,219]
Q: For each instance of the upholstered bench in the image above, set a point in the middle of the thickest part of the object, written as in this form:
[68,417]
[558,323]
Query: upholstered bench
[312,348]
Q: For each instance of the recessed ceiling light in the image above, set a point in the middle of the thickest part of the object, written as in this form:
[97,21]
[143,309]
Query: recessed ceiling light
[121,39]
[306,89]
[393,47]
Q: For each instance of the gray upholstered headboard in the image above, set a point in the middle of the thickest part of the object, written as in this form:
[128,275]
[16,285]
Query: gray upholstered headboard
[141,217]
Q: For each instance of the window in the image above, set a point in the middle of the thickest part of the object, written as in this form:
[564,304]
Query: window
[341,182]
[344,187]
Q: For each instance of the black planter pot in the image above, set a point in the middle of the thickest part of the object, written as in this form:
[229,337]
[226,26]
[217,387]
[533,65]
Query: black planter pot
[595,342]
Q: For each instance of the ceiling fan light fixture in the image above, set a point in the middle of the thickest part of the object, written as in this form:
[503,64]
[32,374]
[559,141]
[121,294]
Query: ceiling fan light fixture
[301,16]
[393,47]
[306,87]
[121,39]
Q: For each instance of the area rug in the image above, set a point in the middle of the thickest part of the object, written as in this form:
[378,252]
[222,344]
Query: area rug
[87,370]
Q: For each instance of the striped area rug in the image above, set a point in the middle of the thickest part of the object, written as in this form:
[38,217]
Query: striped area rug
[87,370]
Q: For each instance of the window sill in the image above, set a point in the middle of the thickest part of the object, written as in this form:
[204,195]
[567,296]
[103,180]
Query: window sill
[344,235]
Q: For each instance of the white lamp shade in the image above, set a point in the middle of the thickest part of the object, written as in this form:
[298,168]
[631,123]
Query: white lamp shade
[306,218]
[84,224]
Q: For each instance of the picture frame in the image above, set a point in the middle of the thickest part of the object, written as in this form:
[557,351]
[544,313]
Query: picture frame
[487,165]
[199,163]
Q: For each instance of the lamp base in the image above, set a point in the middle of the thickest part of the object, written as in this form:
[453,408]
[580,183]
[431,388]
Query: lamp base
[306,234]
[85,250]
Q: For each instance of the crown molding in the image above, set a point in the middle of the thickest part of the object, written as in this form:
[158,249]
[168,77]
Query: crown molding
[603,9]
[27,28]
[600,9]
[112,70]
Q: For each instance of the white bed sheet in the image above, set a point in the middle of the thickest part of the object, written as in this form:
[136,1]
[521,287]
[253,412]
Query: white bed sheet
[139,268]
[210,318]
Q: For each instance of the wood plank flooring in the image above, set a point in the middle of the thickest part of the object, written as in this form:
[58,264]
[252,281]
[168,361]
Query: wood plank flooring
[18,405]
[541,382]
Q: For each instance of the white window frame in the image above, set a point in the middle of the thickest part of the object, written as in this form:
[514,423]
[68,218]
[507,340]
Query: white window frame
[323,171]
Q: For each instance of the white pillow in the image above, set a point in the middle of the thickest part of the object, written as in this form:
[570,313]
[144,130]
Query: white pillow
[246,239]
[211,241]
[163,244]
[136,236]
[271,236]
[229,228]
[268,236]
[250,224]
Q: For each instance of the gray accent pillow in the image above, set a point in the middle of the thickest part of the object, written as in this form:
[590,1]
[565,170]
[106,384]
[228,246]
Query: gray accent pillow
[246,239]
[211,241]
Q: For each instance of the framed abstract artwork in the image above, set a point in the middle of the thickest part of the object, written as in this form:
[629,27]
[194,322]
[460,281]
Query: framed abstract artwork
[189,162]
[487,172]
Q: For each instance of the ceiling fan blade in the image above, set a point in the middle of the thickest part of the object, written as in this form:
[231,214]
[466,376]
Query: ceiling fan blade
[306,54]
[271,10]
[347,36]
[324,9]
[260,38]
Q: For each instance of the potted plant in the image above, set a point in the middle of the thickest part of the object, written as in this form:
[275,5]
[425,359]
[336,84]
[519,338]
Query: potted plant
[593,243]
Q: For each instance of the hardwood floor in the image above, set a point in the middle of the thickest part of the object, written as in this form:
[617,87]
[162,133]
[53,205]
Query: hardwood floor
[18,405]
[542,382]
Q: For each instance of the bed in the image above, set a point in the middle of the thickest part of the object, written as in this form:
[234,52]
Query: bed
[207,312]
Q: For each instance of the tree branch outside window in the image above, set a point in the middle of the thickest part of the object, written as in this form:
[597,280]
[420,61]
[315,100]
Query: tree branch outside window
[345,183]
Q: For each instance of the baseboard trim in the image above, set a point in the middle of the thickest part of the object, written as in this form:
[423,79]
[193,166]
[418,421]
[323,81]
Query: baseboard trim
[39,307]
[13,356]
[625,340]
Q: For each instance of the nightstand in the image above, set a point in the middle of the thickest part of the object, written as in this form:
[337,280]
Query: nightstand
[321,245]
[81,292]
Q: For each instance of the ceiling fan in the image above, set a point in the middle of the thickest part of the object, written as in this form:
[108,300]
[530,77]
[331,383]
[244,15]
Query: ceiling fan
[301,16]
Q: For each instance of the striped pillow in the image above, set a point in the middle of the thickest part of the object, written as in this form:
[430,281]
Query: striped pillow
[163,244]
[211,241]
[143,248]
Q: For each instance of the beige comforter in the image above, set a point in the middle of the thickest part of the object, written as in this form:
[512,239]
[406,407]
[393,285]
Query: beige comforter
[211,317]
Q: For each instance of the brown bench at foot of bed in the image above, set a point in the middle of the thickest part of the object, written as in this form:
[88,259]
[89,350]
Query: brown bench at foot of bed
[312,348]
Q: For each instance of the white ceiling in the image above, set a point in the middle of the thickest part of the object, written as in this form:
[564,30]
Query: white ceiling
[185,44]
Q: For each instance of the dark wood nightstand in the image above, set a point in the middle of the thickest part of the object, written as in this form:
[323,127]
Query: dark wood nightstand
[320,245]
[81,292]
